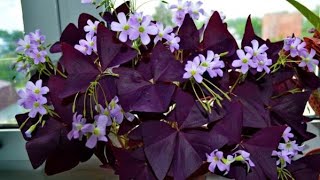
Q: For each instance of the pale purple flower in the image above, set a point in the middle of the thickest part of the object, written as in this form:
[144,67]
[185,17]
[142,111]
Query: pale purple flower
[37,88]
[91,27]
[162,32]
[194,9]
[38,56]
[82,46]
[25,45]
[87,1]
[291,146]
[92,43]
[116,110]
[294,45]
[38,107]
[143,30]
[244,157]
[104,114]
[287,134]
[88,45]
[137,17]
[78,122]
[181,9]
[193,69]
[26,99]
[22,67]
[309,61]
[263,63]
[122,26]
[255,50]
[216,160]
[37,38]
[212,64]
[96,131]
[117,113]
[244,61]
[173,42]
[284,157]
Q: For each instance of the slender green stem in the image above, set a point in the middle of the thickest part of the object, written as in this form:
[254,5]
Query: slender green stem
[235,84]
[24,123]
[74,103]
[195,92]
[212,92]
[222,92]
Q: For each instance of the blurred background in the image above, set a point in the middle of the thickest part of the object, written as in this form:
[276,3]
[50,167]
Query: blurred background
[273,19]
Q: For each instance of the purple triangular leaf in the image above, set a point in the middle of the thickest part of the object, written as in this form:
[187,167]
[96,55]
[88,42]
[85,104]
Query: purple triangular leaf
[111,51]
[217,37]
[159,147]
[79,77]
[289,110]
[164,65]
[306,167]
[189,34]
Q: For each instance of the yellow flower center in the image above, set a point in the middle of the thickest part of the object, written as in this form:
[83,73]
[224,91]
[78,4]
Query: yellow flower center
[79,127]
[37,91]
[245,60]
[36,104]
[141,29]
[96,131]
[126,27]
[193,72]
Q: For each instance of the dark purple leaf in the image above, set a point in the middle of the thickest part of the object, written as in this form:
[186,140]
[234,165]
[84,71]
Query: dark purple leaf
[164,65]
[133,165]
[260,147]
[67,154]
[56,85]
[43,143]
[190,114]
[217,37]
[189,34]
[159,146]
[70,35]
[111,51]
[308,80]
[230,126]
[289,110]
[138,94]
[107,89]
[254,97]
[306,168]
[81,71]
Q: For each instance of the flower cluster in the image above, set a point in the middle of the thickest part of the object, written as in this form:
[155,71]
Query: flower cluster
[33,98]
[201,64]
[254,57]
[88,45]
[296,47]
[287,150]
[216,159]
[184,7]
[140,27]
[32,46]
[97,131]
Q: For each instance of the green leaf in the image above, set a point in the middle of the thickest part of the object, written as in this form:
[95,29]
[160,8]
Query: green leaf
[312,18]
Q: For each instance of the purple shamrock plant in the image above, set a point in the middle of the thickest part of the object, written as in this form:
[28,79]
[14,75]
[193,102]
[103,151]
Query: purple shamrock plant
[158,102]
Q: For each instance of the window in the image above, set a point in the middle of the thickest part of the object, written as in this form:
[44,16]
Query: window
[11,29]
